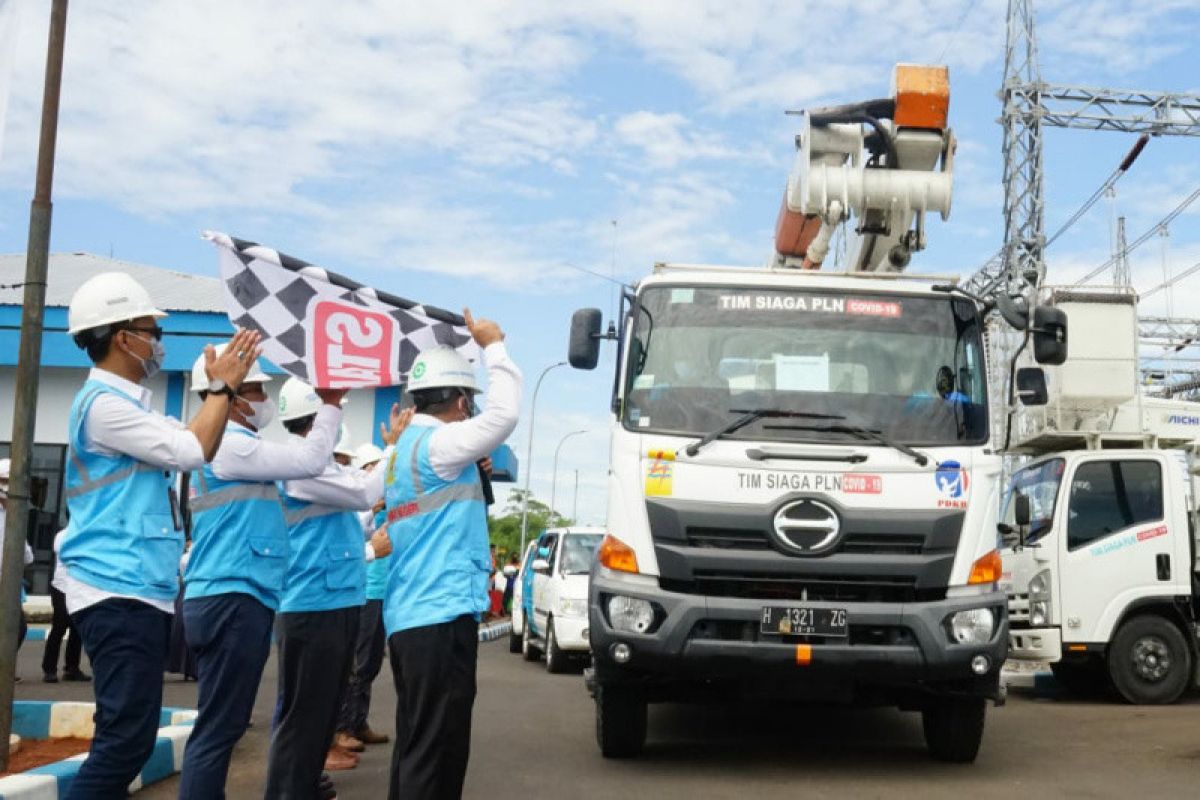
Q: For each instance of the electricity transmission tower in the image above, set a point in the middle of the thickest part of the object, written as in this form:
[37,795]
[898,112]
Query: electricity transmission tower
[1028,105]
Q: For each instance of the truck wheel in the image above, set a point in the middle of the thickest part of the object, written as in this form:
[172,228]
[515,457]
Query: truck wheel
[529,650]
[620,722]
[556,659]
[1149,661]
[954,727]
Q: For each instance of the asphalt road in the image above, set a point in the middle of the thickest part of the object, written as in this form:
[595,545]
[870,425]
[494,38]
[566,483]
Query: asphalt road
[533,737]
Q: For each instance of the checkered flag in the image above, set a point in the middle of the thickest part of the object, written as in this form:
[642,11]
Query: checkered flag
[326,329]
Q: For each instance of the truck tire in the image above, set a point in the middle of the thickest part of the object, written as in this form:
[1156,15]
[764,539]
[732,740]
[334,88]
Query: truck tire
[1149,661]
[514,642]
[954,727]
[529,650]
[620,722]
[556,659]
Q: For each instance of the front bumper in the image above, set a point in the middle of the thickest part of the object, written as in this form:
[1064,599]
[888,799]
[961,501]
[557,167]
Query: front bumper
[1035,644]
[571,633]
[897,646]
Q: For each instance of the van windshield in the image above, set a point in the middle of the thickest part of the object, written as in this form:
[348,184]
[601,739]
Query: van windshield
[578,551]
[908,367]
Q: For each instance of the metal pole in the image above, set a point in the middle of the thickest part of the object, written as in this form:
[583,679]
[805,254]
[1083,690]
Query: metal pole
[529,454]
[30,356]
[575,502]
[554,473]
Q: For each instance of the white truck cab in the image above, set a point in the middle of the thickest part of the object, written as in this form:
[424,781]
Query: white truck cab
[1100,571]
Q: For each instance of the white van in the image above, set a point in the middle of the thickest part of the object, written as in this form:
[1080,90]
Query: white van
[555,612]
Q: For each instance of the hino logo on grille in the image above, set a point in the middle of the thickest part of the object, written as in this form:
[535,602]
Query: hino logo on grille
[807,527]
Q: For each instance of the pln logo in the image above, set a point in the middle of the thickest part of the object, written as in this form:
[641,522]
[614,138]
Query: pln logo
[353,346]
[953,483]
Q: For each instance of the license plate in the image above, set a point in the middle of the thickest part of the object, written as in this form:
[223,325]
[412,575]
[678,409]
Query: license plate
[804,621]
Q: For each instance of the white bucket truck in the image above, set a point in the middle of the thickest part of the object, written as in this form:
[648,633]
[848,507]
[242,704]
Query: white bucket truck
[1100,567]
[803,489]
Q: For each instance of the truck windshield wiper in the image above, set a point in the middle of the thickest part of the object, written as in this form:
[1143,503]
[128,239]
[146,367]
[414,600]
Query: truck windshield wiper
[748,416]
[863,433]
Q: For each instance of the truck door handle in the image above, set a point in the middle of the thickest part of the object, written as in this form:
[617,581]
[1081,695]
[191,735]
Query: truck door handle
[1163,562]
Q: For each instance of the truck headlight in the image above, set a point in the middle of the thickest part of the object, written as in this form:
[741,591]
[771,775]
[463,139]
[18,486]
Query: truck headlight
[629,614]
[974,626]
[568,607]
[1039,599]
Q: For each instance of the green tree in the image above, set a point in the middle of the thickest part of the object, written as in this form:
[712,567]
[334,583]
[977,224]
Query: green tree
[504,529]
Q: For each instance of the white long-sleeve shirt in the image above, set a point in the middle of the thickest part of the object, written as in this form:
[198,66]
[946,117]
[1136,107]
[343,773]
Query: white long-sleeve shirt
[250,458]
[454,446]
[114,427]
[343,487]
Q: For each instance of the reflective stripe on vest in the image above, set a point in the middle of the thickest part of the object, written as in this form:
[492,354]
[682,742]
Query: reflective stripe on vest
[298,515]
[89,485]
[231,494]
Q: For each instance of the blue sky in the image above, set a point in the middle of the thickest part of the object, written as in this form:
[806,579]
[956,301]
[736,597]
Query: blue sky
[462,155]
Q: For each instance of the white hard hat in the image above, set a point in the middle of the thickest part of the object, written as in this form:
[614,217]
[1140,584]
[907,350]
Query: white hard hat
[367,454]
[297,399]
[200,376]
[107,298]
[343,447]
[441,368]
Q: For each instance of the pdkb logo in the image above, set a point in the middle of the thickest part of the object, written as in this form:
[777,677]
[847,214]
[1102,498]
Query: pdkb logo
[952,483]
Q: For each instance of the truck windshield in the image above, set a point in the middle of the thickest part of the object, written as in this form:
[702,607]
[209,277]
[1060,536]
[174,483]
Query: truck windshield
[908,367]
[1039,483]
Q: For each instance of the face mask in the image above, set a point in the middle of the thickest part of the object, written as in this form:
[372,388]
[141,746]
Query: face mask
[151,365]
[261,412]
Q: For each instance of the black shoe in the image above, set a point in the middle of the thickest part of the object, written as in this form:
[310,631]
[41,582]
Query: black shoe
[76,675]
[50,677]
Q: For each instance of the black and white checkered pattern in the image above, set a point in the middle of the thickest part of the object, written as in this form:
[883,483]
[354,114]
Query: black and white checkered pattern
[271,292]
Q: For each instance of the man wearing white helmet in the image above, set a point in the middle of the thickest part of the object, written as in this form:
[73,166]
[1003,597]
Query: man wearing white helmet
[353,729]
[343,452]
[120,556]
[234,578]
[437,586]
[324,590]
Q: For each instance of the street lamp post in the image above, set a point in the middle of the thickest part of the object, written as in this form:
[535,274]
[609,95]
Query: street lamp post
[529,454]
[554,474]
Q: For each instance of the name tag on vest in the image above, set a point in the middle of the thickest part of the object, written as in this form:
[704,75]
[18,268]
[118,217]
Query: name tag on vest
[403,512]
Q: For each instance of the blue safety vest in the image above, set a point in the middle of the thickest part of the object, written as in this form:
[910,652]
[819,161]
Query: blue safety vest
[377,570]
[239,538]
[123,535]
[326,566]
[439,539]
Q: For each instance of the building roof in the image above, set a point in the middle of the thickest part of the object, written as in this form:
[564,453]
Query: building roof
[171,291]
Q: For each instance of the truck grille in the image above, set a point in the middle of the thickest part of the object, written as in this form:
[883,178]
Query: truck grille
[842,588]
[872,543]
[1018,610]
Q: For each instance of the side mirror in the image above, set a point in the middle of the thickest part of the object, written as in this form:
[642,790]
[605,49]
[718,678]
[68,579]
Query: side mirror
[1031,386]
[1049,335]
[583,351]
[541,565]
[1021,512]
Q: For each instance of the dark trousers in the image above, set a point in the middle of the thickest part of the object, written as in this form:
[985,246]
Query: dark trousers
[315,652]
[434,671]
[231,637]
[59,626]
[368,658]
[126,641]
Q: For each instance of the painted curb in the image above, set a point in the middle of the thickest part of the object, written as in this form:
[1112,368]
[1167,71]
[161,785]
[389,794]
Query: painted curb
[494,631]
[39,719]
[1039,684]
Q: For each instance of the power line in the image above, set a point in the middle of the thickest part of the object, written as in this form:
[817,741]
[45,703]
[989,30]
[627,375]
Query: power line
[1176,279]
[954,33]
[1145,237]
